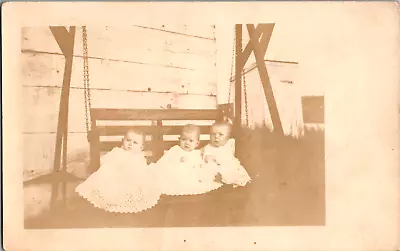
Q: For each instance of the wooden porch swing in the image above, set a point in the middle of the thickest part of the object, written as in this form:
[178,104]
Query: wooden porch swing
[157,130]
[155,147]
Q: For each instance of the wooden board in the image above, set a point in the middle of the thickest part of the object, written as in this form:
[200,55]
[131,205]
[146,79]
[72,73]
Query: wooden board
[142,37]
[170,136]
[41,105]
[165,145]
[48,70]
[165,130]
[153,114]
[200,30]
[132,44]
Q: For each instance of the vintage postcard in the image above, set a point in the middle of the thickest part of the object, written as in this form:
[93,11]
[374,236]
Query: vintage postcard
[201,126]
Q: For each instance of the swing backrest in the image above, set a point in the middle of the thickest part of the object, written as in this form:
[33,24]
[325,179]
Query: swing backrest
[160,126]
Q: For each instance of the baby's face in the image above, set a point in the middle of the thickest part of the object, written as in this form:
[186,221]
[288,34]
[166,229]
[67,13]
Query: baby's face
[220,134]
[188,141]
[133,142]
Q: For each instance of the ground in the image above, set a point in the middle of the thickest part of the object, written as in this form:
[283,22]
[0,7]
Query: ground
[288,189]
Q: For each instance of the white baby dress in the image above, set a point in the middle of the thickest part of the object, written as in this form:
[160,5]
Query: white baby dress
[180,173]
[228,166]
[124,183]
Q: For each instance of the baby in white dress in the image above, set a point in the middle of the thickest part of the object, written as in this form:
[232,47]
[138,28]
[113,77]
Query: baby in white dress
[124,183]
[219,156]
[180,168]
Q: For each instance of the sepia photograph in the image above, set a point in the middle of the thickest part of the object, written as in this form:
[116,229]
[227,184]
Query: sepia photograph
[129,127]
[259,126]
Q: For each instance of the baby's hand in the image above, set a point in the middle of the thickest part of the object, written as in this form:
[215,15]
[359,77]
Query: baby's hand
[218,178]
[207,158]
[210,158]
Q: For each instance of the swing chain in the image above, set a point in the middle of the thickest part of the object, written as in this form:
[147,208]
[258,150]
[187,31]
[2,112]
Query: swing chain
[234,53]
[246,108]
[232,65]
[86,83]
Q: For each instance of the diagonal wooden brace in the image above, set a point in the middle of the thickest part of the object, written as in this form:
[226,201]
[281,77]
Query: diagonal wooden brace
[238,78]
[259,48]
[65,41]
[264,30]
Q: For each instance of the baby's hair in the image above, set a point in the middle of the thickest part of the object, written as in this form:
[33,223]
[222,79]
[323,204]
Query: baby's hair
[191,128]
[223,123]
[134,131]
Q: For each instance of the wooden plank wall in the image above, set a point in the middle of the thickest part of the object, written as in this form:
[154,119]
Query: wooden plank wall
[130,67]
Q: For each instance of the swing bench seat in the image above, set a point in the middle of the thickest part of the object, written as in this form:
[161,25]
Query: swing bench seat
[158,125]
[161,123]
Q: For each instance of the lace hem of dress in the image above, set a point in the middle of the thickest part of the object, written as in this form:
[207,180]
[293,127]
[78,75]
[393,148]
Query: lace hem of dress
[138,205]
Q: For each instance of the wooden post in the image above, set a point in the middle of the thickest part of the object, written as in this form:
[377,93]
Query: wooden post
[238,84]
[157,141]
[65,41]
[238,76]
[94,141]
[259,49]
[261,30]
[67,80]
